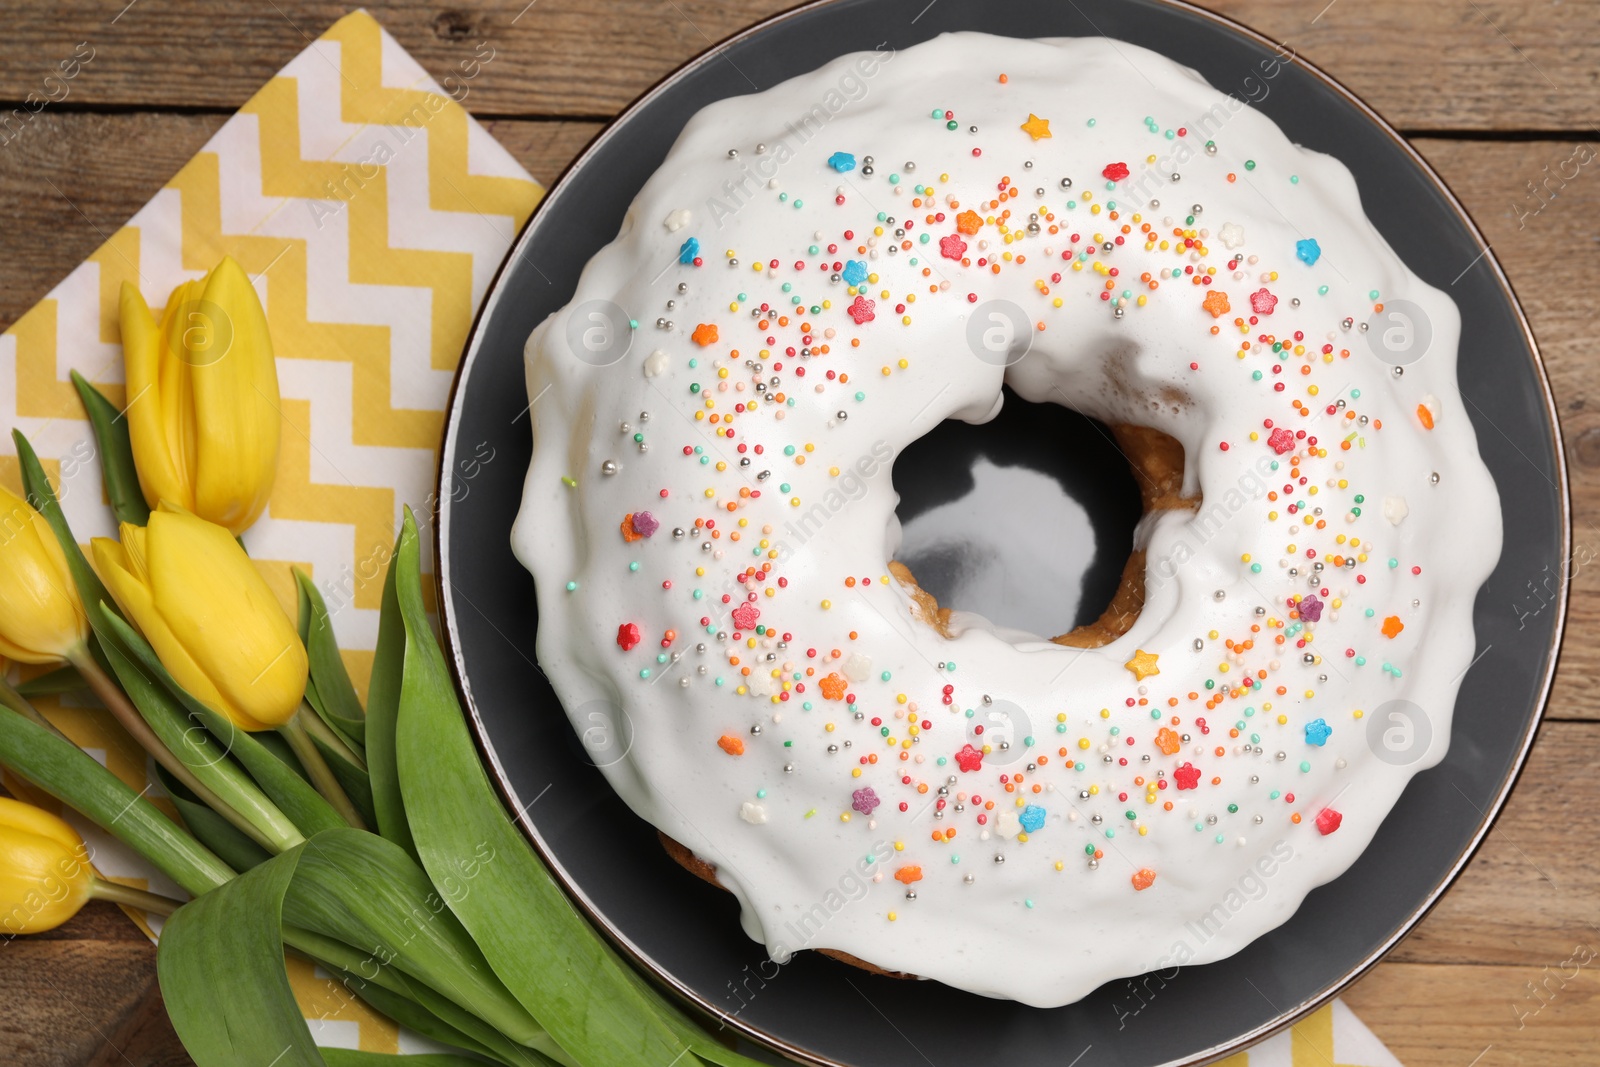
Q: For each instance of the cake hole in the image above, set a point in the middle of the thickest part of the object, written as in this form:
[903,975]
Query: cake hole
[1026,520]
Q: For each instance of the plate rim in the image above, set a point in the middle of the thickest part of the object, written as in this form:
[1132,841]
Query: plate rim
[1283,1018]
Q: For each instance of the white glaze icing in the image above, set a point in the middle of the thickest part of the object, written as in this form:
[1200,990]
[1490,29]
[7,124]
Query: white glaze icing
[1045,926]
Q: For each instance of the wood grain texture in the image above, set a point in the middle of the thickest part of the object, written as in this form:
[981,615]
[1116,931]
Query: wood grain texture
[1524,73]
[1425,64]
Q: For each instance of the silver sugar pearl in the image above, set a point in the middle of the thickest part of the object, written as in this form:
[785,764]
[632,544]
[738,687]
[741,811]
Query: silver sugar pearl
[755,731]
[609,467]
[1433,479]
[1066,183]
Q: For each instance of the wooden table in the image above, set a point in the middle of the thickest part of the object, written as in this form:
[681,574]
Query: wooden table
[1490,91]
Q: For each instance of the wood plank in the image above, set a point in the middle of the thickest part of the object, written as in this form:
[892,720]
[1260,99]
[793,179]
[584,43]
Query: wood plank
[1425,64]
[68,999]
[1465,1016]
[1533,889]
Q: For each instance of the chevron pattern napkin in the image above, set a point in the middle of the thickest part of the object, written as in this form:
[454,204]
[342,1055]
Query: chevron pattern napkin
[371,211]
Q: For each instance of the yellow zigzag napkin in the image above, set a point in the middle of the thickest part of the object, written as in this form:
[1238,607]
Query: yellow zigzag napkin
[371,211]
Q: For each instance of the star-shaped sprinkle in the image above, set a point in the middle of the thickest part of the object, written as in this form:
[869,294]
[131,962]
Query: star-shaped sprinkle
[1032,818]
[968,222]
[745,616]
[908,874]
[842,162]
[1143,664]
[1308,251]
[1143,879]
[1281,440]
[1115,172]
[1328,821]
[862,310]
[1317,732]
[1232,234]
[1216,302]
[1036,127]
[969,758]
[1187,776]
[705,334]
[1262,302]
[864,800]
[627,636]
[951,246]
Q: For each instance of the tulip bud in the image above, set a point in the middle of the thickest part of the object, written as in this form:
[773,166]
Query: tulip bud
[203,397]
[45,875]
[207,612]
[41,617]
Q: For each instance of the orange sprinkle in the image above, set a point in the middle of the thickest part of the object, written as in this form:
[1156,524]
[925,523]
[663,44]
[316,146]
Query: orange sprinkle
[733,746]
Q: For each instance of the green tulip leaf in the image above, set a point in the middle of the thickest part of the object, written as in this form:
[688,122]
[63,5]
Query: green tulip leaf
[42,496]
[388,991]
[596,1007]
[53,683]
[213,831]
[346,1057]
[336,702]
[75,778]
[220,965]
[116,454]
[366,891]
[383,709]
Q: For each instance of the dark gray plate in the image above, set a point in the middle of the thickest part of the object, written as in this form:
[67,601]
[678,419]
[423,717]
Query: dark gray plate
[686,934]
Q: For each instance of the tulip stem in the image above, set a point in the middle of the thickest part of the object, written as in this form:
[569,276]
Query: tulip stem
[322,732]
[117,702]
[154,903]
[294,731]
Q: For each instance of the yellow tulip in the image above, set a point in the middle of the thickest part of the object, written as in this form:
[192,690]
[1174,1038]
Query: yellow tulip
[45,877]
[203,397]
[207,612]
[41,617]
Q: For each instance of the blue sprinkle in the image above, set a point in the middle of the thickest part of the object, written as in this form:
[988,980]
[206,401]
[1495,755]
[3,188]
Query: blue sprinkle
[1032,818]
[855,272]
[1317,732]
[842,161]
[689,250]
[1308,250]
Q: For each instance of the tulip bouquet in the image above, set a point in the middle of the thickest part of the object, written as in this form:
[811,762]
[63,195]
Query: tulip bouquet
[367,839]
